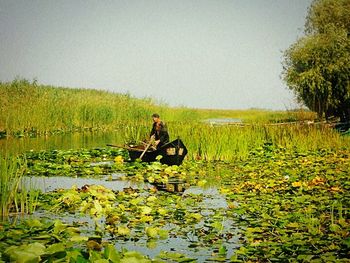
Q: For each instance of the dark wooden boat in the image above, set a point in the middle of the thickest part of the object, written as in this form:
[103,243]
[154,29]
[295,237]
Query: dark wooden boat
[172,153]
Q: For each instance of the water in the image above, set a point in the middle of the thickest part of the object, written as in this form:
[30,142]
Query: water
[49,184]
[223,121]
[60,141]
[212,201]
[212,198]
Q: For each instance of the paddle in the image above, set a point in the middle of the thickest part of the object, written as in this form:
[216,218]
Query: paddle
[150,142]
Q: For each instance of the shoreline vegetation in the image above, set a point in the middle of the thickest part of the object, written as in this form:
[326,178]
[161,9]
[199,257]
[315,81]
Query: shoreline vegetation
[30,109]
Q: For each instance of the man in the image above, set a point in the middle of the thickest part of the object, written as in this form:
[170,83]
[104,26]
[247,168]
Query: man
[159,131]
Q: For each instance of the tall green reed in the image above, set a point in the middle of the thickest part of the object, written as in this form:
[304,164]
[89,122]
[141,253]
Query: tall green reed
[14,197]
[235,142]
[29,108]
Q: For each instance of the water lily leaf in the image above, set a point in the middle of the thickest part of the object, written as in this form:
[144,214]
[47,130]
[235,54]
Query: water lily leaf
[134,257]
[123,231]
[222,250]
[163,233]
[151,244]
[170,255]
[151,179]
[202,183]
[146,218]
[152,232]
[134,260]
[34,223]
[26,253]
[24,257]
[59,227]
[72,231]
[168,170]
[55,248]
[78,238]
[75,256]
[217,225]
[93,245]
[135,201]
[41,237]
[162,211]
[196,216]
[151,199]
[178,257]
[111,253]
[98,206]
[145,210]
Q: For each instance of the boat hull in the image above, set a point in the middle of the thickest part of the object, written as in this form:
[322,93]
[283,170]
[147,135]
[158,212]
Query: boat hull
[173,153]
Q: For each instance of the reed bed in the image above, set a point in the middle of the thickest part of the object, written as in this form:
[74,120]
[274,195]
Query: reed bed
[14,197]
[27,108]
[232,142]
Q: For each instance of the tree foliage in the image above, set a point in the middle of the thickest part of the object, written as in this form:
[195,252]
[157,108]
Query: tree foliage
[317,66]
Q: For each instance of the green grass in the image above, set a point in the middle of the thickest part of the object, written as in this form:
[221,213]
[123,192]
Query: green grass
[30,109]
[15,197]
[232,142]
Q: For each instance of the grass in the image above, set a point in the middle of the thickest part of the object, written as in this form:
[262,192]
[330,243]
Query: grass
[235,142]
[14,197]
[31,109]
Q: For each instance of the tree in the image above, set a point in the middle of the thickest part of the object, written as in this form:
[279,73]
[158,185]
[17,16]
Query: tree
[317,66]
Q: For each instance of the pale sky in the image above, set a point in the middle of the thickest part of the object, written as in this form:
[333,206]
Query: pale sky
[203,53]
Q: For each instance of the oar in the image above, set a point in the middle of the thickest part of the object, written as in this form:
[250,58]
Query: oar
[143,153]
[113,145]
[120,146]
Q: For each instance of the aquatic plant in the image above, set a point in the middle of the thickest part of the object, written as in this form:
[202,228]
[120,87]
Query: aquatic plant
[281,203]
[14,198]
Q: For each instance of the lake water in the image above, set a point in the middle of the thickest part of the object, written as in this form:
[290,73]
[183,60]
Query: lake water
[222,121]
[212,200]
[60,141]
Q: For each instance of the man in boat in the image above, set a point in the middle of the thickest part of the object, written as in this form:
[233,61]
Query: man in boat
[159,131]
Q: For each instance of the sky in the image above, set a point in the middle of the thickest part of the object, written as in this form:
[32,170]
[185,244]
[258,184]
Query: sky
[222,54]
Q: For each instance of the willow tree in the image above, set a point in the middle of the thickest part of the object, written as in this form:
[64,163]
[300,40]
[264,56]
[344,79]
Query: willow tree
[317,66]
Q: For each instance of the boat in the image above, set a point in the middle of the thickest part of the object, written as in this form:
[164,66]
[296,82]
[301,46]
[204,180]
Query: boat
[173,153]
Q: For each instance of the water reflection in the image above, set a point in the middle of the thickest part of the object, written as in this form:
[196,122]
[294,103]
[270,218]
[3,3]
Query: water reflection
[59,141]
[212,197]
[176,187]
[48,184]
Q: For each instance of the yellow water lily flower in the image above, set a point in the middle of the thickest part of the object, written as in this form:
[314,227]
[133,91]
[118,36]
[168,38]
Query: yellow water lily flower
[296,184]
[119,159]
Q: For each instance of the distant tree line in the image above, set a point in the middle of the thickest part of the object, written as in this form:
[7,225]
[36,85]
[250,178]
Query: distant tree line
[317,67]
